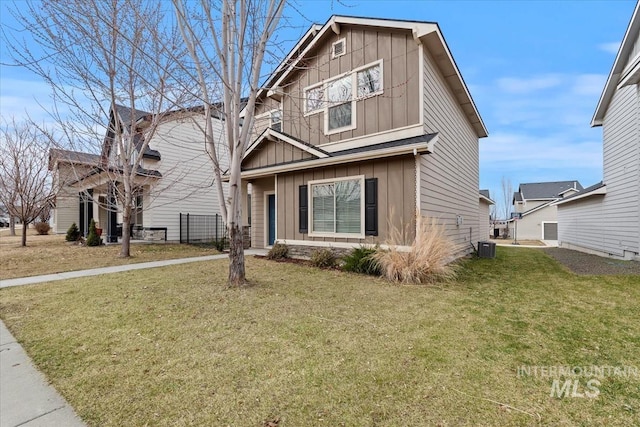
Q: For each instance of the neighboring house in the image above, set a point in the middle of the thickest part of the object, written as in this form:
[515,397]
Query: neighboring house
[537,216]
[364,124]
[484,215]
[68,166]
[605,218]
[176,176]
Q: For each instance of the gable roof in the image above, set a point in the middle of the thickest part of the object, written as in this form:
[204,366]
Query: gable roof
[418,144]
[545,190]
[599,189]
[484,196]
[621,73]
[423,32]
[73,157]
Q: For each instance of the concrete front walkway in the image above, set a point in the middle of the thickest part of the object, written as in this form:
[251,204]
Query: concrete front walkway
[26,399]
[115,269]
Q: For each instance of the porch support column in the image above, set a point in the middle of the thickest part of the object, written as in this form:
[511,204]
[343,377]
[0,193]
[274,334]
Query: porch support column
[112,214]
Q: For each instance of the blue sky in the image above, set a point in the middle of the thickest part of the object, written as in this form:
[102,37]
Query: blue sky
[534,68]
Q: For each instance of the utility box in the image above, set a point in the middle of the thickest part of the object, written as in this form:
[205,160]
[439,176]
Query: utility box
[486,250]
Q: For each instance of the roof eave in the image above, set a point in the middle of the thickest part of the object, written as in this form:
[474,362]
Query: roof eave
[617,68]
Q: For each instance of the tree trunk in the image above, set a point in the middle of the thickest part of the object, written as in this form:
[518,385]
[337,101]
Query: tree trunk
[12,225]
[24,234]
[125,248]
[236,256]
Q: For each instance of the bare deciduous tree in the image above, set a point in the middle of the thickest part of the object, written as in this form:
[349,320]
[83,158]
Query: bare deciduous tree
[237,33]
[26,188]
[98,55]
[506,200]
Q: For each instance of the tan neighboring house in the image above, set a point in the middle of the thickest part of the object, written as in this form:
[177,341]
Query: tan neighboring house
[176,177]
[534,205]
[484,215]
[605,218]
[364,123]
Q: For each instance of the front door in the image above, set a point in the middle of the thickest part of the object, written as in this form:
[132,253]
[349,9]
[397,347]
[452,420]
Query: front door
[271,214]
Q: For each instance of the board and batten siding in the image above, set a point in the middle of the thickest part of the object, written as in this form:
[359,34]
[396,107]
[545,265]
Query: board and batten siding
[393,109]
[449,177]
[187,183]
[272,153]
[621,155]
[396,199]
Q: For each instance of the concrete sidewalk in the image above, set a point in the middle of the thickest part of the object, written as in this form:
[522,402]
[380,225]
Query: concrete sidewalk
[115,269]
[26,399]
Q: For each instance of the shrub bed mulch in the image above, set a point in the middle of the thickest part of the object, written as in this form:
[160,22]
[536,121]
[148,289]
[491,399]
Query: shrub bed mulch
[587,264]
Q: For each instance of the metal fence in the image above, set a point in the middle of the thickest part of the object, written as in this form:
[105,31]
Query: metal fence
[201,228]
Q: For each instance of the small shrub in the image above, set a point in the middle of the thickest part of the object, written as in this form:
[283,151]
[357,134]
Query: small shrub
[220,244]
[278,251]
[323,258]
[427,260]
[42,228]
[73,233]
[92,238]
[361,260]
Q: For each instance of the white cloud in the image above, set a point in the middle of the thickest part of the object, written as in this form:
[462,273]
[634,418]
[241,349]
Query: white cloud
[611,47]
[528,85]
[589,84]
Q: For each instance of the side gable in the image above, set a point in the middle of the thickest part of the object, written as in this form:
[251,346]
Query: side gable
[397,45]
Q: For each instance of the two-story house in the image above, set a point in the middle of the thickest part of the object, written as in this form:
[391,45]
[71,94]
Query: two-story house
[176,176]
[365,124]
[537,216]
[605,218]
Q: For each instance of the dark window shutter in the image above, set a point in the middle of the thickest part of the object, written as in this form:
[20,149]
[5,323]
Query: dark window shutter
[303,203]
[371,207]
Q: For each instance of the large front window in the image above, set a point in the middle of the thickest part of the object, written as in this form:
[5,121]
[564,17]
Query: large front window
[337,206]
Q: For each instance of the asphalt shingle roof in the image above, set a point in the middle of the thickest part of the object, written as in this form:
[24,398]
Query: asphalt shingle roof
[545,190]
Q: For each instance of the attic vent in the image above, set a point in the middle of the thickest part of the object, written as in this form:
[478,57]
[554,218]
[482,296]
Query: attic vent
[338,48]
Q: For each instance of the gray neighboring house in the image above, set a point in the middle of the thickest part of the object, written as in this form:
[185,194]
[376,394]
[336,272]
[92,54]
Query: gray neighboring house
[539,215]
[605,218]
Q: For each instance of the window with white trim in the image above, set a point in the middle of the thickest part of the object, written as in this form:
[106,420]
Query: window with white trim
[275,118]
[369,81]
[314,99]
[337,97]
[337,206]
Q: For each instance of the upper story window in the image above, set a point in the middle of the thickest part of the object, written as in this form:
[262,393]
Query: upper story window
[275,119]
[314,99]
[339,97]
[336,97]
[369,81]
[339,48]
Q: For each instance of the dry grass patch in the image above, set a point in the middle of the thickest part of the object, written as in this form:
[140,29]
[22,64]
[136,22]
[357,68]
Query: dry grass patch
[175,346]
[52,254]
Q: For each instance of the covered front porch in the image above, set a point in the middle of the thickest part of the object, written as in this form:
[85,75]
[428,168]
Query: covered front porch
[99,198]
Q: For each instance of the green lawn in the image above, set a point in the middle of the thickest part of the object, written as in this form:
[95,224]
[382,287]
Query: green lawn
[308,347]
